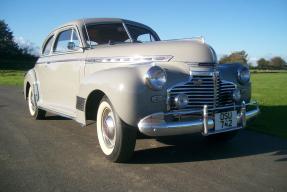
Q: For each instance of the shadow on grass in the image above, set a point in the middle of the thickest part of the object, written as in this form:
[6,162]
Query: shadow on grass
[272,120]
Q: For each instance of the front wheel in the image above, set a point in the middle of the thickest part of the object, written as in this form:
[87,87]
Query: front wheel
[117,140]
[33,108]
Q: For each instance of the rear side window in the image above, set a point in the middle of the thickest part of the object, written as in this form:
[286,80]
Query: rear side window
[48,46]
[64,40]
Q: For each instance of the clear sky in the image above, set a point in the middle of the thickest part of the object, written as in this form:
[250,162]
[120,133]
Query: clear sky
[257,26]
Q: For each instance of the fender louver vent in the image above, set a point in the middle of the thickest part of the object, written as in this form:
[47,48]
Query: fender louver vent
[80,103]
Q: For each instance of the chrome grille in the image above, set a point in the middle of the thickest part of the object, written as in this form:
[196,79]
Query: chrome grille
[224,93]
[200,91]
[204,89]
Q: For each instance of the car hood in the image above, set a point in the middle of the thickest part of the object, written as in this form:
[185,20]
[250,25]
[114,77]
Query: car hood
[180,50]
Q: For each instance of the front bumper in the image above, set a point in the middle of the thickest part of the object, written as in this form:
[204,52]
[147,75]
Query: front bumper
[157,125]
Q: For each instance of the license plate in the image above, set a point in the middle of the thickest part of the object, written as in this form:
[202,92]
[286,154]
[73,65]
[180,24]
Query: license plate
[225,120]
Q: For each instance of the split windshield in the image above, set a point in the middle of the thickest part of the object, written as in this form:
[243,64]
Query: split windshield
[114,33]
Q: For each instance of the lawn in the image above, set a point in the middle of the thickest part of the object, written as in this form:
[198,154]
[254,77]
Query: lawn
[269,89]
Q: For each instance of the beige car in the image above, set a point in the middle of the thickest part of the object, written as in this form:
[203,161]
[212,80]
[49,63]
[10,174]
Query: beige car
[119,74]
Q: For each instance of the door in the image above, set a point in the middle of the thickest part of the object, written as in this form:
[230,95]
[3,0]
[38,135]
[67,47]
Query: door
[62,72]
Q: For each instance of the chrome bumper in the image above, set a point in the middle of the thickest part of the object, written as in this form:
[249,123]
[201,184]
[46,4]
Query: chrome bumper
[155,124]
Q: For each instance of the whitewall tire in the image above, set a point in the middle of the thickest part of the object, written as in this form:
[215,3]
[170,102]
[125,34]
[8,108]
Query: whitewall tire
[32,106]
[116,139]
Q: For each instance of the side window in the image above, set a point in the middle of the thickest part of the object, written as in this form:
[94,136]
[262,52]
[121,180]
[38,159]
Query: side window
[145,38]
[48,46]
[67,41]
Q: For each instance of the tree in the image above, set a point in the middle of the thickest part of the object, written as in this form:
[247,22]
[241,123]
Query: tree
[12,56]
[235,57]
[8,47]
[274,63]
[263,64]
[278,63]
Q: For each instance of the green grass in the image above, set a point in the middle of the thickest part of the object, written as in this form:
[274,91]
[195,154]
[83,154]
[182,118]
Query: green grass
[269,89]
[11,77]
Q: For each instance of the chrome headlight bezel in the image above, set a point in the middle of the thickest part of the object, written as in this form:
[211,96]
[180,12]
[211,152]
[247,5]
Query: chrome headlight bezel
[155,78]
[236,95]
[243,75]
[181,101]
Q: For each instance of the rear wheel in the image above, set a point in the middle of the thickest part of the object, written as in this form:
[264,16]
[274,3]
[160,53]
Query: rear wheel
[33,108]
[117,140]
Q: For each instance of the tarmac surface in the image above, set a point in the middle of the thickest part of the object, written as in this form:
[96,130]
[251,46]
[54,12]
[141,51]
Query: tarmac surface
[56,154]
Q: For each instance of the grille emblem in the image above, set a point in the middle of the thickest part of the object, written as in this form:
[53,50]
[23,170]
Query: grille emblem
[197,82]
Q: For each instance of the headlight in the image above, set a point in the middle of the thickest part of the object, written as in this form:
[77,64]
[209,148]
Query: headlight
[243,75]
[181,101]
[155,78]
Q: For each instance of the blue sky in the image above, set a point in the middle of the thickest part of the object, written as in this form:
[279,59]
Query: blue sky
[259,27]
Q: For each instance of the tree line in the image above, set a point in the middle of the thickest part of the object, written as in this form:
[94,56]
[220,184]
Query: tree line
[275,63]
[12,56]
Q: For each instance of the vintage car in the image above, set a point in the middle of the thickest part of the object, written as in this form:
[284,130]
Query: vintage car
[119,74]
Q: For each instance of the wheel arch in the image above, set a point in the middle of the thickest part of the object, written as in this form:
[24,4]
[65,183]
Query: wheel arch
[92,104]
[27,87]
[29,80]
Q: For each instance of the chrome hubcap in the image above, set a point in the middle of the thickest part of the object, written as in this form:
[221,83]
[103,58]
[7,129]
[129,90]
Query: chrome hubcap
[32,103]
[108,128]
[33,100]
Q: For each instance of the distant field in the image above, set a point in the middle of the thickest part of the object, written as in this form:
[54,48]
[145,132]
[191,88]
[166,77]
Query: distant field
[11,77]
[269,89]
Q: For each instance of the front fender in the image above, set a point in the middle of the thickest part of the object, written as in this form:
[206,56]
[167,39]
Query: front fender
[29,78]
[229,72]
[126,89]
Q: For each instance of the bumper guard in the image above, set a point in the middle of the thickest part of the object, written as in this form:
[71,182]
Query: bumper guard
[155,124]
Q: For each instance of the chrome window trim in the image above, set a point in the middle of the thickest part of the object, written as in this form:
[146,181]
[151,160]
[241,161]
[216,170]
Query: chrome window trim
[66,28]
[128,32]
[52,36]
[88,36]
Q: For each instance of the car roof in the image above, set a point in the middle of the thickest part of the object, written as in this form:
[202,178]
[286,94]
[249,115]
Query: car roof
[87,21]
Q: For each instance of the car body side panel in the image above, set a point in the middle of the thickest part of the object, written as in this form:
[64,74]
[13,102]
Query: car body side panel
[63,75]
[126,90]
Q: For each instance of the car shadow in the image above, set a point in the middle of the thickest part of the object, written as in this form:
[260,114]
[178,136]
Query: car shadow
[55,117]
[190,148]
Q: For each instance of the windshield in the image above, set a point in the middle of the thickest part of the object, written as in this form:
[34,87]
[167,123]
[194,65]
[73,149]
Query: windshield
[106,34]
[113,33]
[140,34]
